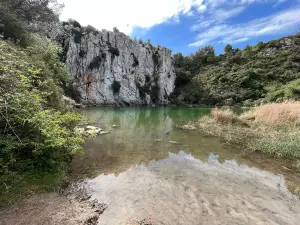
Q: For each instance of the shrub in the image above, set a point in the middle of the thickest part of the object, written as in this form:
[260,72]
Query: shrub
[155,93]
[36,131]
[116,30]
[95,63]
[147,78]
[76,24]
[135,60]
[77,35]
[90,29]
[114,51]
[116,86]
[82,53]
[155,58]
[143,90]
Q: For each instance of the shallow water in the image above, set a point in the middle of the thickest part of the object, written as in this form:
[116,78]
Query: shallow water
[192,180]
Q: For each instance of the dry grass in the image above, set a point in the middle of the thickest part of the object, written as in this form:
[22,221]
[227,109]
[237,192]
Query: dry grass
[222,116]
[271,128]
[286,113]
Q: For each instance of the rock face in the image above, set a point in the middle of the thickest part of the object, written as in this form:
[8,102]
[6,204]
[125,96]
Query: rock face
[112,69]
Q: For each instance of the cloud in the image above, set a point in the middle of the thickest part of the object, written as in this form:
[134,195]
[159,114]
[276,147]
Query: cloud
[225,33]
[126,15]
[201,42]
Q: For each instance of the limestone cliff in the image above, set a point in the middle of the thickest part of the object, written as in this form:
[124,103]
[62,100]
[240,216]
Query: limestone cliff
[112,69]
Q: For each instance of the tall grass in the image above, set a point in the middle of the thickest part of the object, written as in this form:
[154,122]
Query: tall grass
[271,128]
[286,113]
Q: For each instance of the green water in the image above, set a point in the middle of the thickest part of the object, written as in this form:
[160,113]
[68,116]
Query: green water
[147,168]
[144,134]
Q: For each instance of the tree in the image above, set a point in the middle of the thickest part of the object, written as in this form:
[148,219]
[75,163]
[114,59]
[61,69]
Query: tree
[248,51]
[207,50]
[20,17]
[116,30]
[228,49]
[179,60]
[259,46]
[203,56]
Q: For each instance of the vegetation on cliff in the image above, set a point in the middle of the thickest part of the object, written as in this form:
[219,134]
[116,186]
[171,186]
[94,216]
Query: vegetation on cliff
[266,72]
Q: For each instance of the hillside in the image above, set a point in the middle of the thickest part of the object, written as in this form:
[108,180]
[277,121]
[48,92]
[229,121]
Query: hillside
[266,72]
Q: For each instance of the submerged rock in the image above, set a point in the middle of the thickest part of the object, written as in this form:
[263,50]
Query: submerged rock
[90,131]
[188,127]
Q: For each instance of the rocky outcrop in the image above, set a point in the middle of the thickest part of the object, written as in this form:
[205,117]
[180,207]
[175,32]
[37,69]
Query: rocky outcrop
[112,69]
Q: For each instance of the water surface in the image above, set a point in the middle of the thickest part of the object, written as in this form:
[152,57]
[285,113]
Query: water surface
[146,168]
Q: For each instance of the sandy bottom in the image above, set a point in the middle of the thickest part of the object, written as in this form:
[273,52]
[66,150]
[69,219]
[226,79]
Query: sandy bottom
[177,190]
[184,190]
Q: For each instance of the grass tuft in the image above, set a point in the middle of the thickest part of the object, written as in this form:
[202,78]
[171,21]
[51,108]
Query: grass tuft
[271,128]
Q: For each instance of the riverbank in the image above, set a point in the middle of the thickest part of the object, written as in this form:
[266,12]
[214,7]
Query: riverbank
[271,128]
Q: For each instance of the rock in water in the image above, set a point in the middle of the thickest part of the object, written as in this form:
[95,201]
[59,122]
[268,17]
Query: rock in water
[109,68]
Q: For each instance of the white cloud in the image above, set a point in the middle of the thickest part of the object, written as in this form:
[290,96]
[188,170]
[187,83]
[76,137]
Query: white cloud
[125,15]
[225,33]
[129,14]
[201,42]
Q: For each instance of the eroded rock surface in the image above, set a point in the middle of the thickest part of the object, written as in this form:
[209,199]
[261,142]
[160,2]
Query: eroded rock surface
[112,69]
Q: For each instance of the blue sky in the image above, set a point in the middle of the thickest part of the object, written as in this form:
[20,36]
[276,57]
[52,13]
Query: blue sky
[187,25]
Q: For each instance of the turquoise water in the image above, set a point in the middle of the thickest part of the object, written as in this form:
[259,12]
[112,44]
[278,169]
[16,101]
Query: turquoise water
[144,134]
[146,168]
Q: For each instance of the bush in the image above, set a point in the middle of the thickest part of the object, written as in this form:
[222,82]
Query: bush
[16,20]
[76,24]
[36,131]
[90,29]
[135,60]
[77,35]
[155,93]
[114,51]
[95,63]
[116,86]
[143,90]
[82,53]
[155,58]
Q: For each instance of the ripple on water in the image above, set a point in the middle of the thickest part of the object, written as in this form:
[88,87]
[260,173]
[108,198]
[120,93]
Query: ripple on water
[185,190]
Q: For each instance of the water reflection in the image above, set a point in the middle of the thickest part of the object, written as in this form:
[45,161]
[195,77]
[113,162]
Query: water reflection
[143,134]
[184,190]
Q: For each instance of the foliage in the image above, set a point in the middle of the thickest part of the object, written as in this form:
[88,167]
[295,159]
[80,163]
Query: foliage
[255,75]
[155,93]
[95,63]
[135,60]
[114,51]
[17,21]
[77,34]
[116,30]
[228,49]
[90,29]
[36,131]
[116,86]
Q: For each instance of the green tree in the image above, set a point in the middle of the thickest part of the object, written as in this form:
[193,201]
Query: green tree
[228,49]
[20,17]
[36,130]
